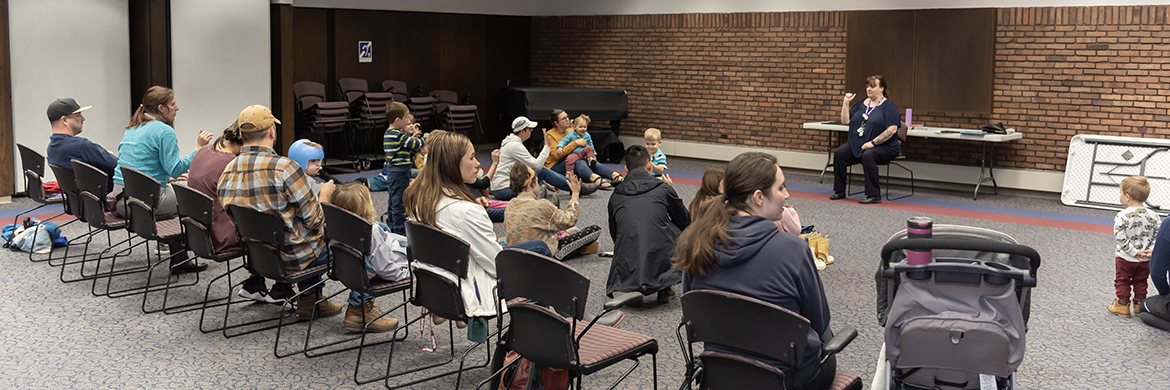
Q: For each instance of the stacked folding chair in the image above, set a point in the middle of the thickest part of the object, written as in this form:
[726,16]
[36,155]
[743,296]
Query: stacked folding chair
[453,116]
[397,88]
[423,109]
[319,116]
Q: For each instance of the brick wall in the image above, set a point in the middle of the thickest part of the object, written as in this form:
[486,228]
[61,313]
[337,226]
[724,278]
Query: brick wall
[752,78]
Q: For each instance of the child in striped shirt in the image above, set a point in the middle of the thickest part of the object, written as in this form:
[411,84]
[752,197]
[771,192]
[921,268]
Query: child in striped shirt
[400,141]
[653,139]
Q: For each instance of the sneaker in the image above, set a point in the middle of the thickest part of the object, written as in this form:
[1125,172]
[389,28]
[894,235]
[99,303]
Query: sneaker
[324,309]
[1118,308]
[577,240]
[280,293]
[664,296]
[1137,305]
[588,188]
[258,295]
[368,311]
[837,195]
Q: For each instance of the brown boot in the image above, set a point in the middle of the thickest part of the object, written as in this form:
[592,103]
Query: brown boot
[666,295]
[354,319]
[324,309]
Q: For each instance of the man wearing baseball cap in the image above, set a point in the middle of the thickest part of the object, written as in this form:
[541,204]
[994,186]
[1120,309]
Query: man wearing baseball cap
[265,181]
[513,151]
[65,144]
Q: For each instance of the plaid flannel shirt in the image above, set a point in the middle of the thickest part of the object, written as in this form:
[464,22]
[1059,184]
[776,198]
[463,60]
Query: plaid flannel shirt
[265,181]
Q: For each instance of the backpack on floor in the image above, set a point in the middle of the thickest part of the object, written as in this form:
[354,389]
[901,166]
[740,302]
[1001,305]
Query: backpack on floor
[526,375]
[1155,312]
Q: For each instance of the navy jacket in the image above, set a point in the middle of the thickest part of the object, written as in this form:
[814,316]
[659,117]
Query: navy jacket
[776,267]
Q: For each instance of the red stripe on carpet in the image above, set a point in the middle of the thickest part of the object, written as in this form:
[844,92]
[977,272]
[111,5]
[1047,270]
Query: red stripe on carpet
[1087,227]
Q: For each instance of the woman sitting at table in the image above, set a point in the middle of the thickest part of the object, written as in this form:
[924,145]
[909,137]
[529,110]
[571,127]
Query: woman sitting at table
[873,129]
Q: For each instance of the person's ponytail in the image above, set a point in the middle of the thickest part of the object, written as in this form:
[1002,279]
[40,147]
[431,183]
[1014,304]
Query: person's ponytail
[695,251]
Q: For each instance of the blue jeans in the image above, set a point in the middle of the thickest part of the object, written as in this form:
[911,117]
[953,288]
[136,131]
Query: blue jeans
[306,286]
[496,215]
[396,182]
[534,246]
[581,168]
[544,175]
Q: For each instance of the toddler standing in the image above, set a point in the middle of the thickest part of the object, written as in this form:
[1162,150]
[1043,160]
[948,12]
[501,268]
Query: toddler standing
[1135,228]
[653,139]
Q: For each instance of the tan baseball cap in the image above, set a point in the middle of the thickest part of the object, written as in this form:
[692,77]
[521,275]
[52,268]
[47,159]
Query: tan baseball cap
[256,118]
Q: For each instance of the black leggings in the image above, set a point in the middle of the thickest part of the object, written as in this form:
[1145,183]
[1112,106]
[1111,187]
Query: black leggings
[870,158]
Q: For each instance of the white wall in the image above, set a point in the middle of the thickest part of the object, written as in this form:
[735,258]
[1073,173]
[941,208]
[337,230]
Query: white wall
[69,48]
[632,7]
[220,63]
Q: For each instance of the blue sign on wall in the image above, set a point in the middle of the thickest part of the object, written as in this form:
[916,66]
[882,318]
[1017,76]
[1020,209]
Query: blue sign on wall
[365,51]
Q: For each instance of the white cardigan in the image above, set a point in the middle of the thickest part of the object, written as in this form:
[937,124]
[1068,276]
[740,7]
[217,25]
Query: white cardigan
[470,222]
[512,151]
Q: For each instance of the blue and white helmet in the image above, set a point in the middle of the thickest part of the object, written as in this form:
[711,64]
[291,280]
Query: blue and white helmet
[301,152]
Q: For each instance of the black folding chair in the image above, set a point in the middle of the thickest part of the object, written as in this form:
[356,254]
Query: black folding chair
[68,183]
[548,328]
[755,326]
[34,163]
[195,215]
[146,190]
[91,186]
[440,295]
[262,235]
[350,237]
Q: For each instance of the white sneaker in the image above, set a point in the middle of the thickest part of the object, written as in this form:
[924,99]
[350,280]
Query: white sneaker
[258,296]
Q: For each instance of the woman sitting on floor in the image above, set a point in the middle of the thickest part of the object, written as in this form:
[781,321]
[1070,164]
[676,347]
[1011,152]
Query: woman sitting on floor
[529,218]
[733,245]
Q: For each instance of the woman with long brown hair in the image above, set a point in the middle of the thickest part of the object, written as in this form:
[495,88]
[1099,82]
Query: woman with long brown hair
[439,198]
[151,146]
[733,245]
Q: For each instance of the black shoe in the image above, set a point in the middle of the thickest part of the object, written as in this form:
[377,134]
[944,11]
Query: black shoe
[281,291]
[870,200]
[187,267]
[837,195]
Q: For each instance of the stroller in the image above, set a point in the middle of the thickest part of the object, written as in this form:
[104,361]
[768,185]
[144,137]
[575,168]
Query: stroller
[958,322]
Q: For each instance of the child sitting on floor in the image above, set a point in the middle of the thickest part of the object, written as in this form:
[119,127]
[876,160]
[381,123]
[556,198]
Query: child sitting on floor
[587,153]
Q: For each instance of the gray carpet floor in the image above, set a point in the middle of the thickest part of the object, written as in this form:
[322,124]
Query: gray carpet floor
[58,335]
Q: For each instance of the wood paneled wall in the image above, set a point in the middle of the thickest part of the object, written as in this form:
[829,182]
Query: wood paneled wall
[7,183]
[468,54]
[150,47]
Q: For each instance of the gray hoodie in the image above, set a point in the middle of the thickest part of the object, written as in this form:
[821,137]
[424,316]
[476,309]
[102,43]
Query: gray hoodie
[764,263]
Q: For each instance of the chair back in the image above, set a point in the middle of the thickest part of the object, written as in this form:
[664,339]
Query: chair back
[437,248]
[444,98]
[350,237]
[396,87]
[541,335]
[68,183]
[142,219]
[195,210]
[90,179]
[31,159]
[262,235]
[308,93]
[542,279]
[745,323]
[138,185]
[34,187]
[351,89]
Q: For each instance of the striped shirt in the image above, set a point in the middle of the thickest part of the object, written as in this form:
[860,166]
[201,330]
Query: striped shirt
[398,147]
[265,181]
[659,159]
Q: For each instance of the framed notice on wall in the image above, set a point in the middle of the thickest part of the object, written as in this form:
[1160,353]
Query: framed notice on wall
[365,51]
